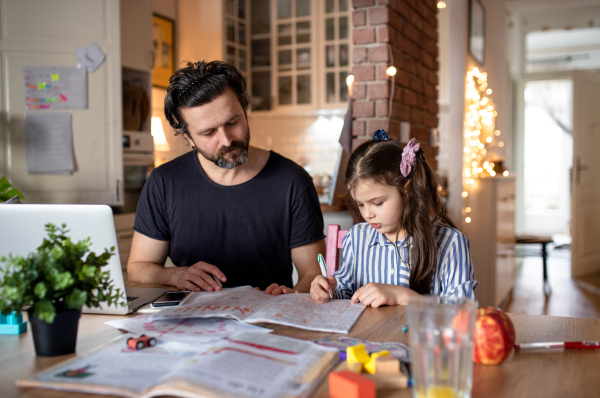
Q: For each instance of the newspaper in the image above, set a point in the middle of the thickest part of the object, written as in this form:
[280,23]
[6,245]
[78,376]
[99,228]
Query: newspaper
[248,364]
[249,305]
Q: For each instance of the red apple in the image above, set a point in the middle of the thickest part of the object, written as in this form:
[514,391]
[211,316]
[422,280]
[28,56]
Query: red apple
[494,336]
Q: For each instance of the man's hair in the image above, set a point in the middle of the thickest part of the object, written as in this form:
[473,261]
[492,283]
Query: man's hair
[379,161]
[198,84]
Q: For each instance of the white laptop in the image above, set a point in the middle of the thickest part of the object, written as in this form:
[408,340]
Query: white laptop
[22,231]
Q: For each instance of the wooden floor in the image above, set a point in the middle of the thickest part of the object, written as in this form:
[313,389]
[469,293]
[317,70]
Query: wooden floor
[570,297]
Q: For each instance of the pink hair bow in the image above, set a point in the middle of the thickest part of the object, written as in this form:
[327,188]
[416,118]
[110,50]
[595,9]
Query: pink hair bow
[409,157]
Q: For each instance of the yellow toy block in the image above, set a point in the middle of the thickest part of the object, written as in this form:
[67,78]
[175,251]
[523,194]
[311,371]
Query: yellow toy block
[357,353]
[370,365]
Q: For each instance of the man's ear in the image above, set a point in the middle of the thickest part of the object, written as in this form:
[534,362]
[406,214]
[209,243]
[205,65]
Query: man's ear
[189,140]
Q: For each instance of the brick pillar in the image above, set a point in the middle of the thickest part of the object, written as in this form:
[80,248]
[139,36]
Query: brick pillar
[410,28]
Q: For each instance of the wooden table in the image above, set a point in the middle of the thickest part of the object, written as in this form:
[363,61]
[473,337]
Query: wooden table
[549,373]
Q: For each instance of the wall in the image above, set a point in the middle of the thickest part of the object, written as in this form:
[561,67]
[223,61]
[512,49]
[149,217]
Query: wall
[455,62]
[402,34]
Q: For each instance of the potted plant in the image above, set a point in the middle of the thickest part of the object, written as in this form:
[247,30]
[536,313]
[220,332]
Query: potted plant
[52,284]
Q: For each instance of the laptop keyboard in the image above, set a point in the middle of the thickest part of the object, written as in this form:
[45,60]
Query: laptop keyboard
[131,298]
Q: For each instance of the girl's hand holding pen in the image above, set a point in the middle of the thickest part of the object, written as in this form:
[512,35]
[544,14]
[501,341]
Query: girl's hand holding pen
[320,288]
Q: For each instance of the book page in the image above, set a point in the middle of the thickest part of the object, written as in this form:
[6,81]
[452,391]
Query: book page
[238,302]
[185,329]
[116,369]
[301,311]
[253,365]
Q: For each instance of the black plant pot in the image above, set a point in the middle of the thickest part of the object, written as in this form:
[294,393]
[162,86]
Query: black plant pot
[57,338]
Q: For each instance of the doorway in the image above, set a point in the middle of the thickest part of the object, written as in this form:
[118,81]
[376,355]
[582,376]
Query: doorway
[548,157]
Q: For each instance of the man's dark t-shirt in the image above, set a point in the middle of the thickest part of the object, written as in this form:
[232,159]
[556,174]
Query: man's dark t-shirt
[245,230]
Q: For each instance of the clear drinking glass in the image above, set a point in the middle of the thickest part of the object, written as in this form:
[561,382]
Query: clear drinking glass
[441,341]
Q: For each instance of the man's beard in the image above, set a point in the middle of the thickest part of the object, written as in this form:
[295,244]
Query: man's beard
[236,159]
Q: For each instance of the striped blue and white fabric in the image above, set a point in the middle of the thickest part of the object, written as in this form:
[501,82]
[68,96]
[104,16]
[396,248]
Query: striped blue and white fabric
[368,256]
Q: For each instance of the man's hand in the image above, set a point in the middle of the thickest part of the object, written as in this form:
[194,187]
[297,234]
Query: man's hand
[275,289]
[378,294]
[200,277]
[320,288]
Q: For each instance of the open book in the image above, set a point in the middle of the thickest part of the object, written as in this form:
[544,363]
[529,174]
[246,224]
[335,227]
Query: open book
[247,364]
[249,305]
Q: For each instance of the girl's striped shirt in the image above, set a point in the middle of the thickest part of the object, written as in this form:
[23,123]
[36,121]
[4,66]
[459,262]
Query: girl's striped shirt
[368,256]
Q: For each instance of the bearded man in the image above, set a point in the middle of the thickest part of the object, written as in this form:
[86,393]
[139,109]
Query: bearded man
[226,210]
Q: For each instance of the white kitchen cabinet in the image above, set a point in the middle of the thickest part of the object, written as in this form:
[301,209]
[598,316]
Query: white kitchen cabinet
[47,33]
[491,234]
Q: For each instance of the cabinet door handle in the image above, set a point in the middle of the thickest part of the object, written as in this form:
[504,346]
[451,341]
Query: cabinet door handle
[578,169]
[118,190]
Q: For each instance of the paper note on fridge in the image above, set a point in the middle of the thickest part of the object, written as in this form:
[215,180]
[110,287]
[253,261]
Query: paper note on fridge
[49,143]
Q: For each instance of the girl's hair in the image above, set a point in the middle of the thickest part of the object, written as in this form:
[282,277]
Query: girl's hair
[379,161]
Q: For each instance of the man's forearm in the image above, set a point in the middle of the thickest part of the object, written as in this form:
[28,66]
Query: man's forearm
[304,281]
[147,272]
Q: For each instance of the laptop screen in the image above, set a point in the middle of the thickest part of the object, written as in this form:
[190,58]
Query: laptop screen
[22,231]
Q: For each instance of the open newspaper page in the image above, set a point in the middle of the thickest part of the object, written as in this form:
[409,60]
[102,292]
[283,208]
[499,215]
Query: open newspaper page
[253,365]
[116,369]
[301,311]
[192,330]
[248,364]
[238,302]
[250,305]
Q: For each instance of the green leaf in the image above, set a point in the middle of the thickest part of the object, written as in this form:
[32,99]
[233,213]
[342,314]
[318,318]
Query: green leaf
[40,290]
[62,280]
[6,192]
[76,299]
[44,310]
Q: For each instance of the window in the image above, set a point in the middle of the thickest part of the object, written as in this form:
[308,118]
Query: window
[236,36]
[292,41]
[293,45]
[336,47]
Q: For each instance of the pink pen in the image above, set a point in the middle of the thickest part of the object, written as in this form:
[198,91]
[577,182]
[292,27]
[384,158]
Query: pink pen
[581,345]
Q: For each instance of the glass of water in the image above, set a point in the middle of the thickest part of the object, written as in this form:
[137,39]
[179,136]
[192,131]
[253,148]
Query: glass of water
[441,342]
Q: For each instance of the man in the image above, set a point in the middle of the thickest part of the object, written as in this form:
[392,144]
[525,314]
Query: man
[225,210]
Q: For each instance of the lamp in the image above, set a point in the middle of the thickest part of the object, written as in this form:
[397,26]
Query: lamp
[160,141]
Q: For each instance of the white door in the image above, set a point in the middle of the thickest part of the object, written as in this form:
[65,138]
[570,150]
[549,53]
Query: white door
[585,226]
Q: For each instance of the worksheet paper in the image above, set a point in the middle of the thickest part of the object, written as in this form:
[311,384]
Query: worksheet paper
[48,143]
[247,364]
[185,329]
[252,306]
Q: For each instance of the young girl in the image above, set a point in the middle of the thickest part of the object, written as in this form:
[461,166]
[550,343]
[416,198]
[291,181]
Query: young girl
[404,244]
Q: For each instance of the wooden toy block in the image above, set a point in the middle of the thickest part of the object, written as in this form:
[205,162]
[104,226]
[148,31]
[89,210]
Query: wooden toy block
[357,353]
[12,324]
[370,365]
[346,384]
[387,365]
[355,367]
[388,382]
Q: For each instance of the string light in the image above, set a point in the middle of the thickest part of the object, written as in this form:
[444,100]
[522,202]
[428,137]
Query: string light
[441,4]
[480,133]
[391,71]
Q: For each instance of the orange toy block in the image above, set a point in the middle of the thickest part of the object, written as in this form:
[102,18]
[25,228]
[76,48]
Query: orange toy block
[346,384]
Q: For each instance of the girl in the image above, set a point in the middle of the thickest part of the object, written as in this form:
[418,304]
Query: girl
[404,244]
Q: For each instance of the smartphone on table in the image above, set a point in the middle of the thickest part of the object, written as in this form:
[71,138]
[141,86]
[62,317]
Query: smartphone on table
[170,299]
